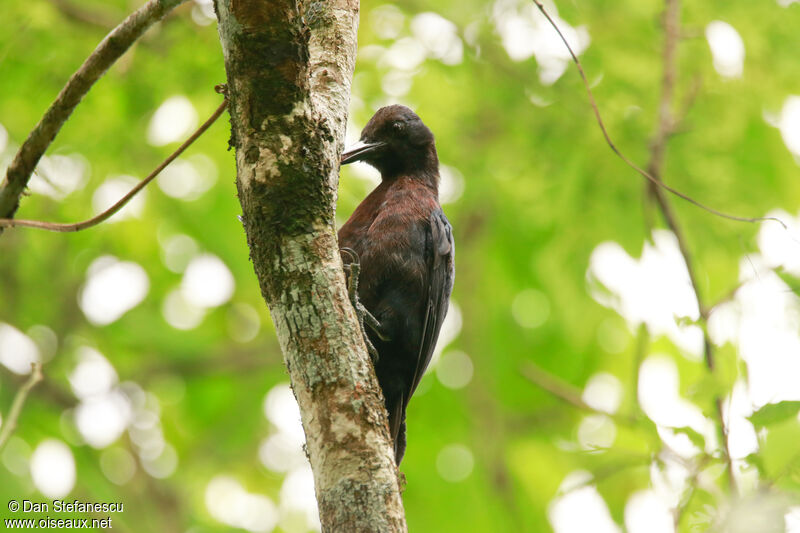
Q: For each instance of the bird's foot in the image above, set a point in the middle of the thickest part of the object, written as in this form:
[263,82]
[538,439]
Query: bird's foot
[353,269]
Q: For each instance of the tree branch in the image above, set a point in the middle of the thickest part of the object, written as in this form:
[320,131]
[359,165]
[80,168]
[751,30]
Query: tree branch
[10,423]
[642,343]
[91,17]
[555,386]
[627,161]
[655,166]
[289,74]
[566,392]
[107,52]
[664,129]
[680,510]
[108,213]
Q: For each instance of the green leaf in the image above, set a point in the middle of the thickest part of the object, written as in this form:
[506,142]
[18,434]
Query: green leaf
[774,412]
[778,451]
[756,460]
[696,438]
[792,281]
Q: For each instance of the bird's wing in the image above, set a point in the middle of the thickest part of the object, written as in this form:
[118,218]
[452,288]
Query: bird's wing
[441,274]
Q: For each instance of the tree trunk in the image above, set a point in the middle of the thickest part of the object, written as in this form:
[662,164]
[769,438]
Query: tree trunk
[289,67]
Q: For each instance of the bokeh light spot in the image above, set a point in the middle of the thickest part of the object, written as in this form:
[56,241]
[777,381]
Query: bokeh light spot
[53,468]
[183,179]
[530,308]
[451,186]
[177,251]
[454,369]
[102,418]
[17,350]
[244,322]
[111,191]
[228,502]
[172,121]
[181,314]
[282,452]
[92,375]
[525,32]
[112,288]
[16,456]
[646,512]
[727,49]
[455,462]
[280,408]
[439,37]
[207,282]
[580,508]
[603,392]
[59,175]
[118,465]
[387,21]
[596,431]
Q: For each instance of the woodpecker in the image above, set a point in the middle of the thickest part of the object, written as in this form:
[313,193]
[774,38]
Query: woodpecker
[402,245]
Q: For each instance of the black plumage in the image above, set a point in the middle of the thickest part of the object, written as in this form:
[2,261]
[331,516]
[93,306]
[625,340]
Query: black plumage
[404,243]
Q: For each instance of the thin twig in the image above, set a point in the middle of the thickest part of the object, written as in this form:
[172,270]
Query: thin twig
[566,392]
[642,343]
[555,386]
[680,510]
[10,423]
[606,471]
[666,123]
[688,101]
[78,226]
[107,52]
[91,17]
[724,430]
[664,128]
[627,161]
[572,396]
[728,297]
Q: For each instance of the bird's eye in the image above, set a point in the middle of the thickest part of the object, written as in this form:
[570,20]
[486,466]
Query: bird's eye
[398,126]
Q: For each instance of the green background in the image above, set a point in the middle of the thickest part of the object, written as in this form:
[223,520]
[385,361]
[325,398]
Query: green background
[540,191]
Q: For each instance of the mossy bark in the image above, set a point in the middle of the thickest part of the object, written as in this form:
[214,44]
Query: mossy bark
[289,67]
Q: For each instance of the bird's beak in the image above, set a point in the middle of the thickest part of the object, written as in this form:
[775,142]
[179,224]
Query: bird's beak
[358,151]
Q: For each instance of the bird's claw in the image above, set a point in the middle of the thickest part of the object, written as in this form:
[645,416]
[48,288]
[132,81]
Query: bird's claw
[353,269]
[373,352]
[374,325]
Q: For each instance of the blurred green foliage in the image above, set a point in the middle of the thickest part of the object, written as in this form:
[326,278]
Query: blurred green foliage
[541,191]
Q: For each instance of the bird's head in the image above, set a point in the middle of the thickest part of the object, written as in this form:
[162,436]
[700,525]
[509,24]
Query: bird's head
[395,141]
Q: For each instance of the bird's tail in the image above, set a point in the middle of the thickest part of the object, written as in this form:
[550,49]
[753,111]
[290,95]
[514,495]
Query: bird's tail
[397,429]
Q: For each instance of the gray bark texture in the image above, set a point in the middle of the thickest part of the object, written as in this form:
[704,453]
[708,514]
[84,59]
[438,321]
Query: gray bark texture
[289,67]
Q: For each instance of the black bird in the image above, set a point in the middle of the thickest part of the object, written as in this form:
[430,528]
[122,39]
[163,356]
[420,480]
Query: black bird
[404,246]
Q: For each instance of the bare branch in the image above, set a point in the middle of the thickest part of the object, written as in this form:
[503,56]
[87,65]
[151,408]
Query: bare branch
[679,511]
[642,343]
[728,296]
[566,392]
[105,215]
[627,161]
[107,52]
[688,101]
[555,386]
[91,17]
[665,126]
[10,423]
[607,471]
